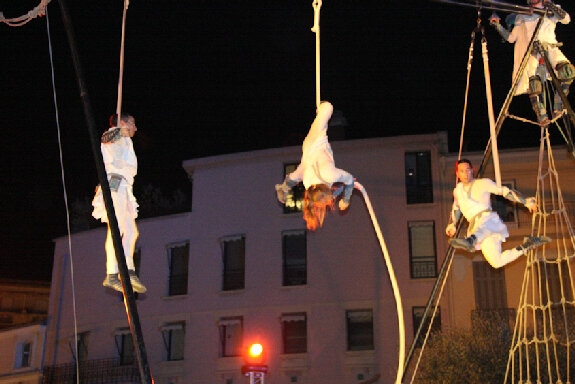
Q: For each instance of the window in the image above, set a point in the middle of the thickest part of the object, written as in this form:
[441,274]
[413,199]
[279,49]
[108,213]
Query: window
[173,335]
[422,255]
[294,333]
[137,265]
[294,200]
[359,330]
[294,246]
[417,316]
[418,185]
[80,349]
[178,256]
[506,209]
[23,357]
[234,255]
[125,346]
[489,286]
[231,336]
[558,282]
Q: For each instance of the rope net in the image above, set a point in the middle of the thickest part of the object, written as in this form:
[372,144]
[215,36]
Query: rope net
[543,344]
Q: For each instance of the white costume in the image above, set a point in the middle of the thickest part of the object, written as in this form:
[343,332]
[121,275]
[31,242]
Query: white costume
[119,159]
[521,35]
[317,165]
[474,202]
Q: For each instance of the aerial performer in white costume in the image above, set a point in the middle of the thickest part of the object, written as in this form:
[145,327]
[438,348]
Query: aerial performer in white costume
[121,167]
[486,231]
[318,172]
[535,72]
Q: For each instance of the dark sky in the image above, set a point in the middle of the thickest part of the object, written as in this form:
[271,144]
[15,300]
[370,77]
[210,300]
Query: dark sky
[208,77]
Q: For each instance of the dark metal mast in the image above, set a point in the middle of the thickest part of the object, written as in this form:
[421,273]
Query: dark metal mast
[129,299]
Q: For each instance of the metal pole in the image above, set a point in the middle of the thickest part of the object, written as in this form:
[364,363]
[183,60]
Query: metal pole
[129,300]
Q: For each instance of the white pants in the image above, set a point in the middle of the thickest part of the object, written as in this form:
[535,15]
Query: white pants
[128,230]
[491,248]
[490,232]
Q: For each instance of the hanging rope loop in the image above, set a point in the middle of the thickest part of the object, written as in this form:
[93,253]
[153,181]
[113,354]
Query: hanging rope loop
[121,75]
[316,7]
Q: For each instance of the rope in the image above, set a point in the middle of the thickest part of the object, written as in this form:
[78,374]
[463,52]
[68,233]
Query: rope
[39,11]
[121,75]
[65,196]
[490,113]
[316,8]
[396,293]
[469,62]
[488,96]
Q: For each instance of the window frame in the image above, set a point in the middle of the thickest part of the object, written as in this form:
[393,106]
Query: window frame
[235,327]
[428,260]
[504,207]
[294,336]
[294,270]
[174,351]
[294,199]
[358,331]
[23,355]
[417,313]
[178,276]
[125,346]
[418,177]
[233,279]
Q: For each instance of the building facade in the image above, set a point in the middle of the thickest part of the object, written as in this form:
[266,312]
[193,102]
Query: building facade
[241,268]
[22,354]
[23,302]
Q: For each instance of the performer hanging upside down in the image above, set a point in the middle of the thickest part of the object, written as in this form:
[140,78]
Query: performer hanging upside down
[486,231]
[535,73]
[318,172]
[121,166]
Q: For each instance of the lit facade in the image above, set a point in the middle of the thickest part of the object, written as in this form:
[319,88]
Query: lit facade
[240,268]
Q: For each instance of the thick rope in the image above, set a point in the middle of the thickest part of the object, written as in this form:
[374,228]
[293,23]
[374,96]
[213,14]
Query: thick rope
[38,11]
[316,8]
[396,293]
[490,113]
[121,75]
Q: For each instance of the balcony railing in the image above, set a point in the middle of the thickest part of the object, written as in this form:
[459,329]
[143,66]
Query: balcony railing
[103,371]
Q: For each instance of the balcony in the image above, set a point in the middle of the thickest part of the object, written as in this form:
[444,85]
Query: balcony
[103,371]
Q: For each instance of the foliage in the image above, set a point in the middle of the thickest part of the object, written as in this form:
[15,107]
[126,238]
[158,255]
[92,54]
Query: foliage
[477,355]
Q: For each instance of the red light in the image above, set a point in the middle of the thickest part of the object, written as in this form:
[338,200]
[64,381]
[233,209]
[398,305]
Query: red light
[256,350]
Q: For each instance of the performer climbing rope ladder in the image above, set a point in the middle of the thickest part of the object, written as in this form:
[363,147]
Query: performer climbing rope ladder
[472,198]
[535,73]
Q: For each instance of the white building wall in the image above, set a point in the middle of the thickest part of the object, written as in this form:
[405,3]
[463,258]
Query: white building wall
[234,195]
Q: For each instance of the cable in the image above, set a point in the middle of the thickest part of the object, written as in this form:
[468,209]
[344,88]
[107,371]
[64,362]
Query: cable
[65,195]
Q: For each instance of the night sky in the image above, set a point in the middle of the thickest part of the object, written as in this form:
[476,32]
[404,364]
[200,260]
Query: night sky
[209,77]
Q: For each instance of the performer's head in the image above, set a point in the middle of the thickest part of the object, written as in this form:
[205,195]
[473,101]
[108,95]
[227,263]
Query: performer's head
[464,170]
[317,199]
[535,2]
[127,123]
